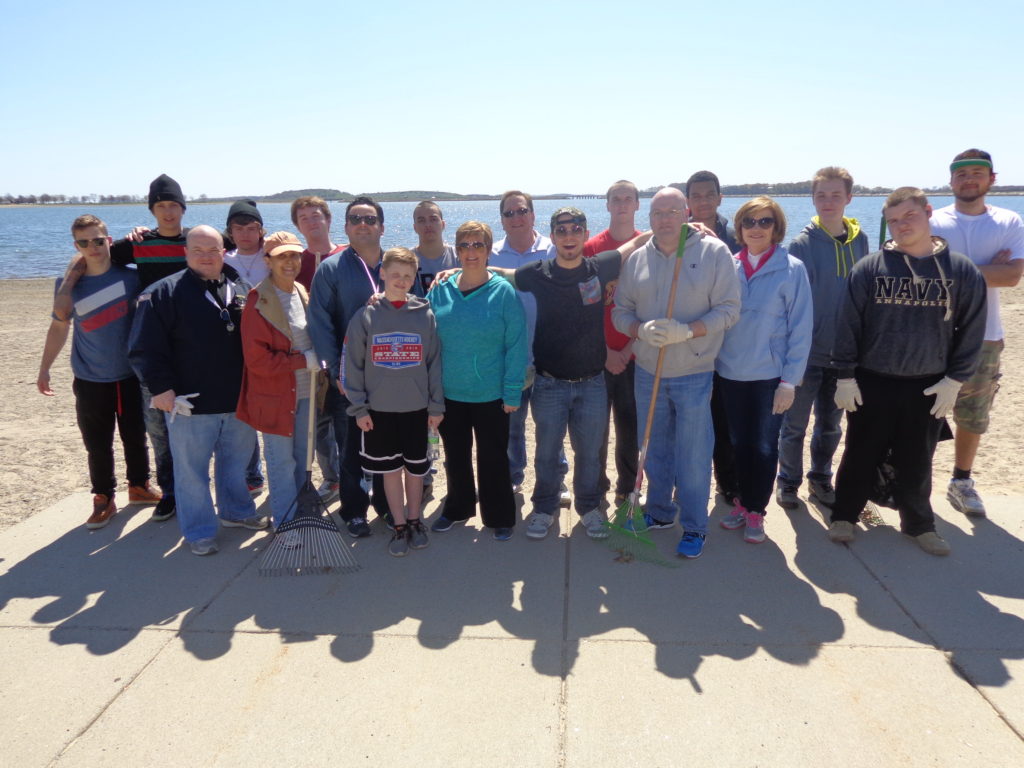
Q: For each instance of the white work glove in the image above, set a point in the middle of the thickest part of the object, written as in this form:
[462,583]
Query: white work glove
[312,364]
[677,332]
[945,392]
[654,332]
[182,406]
[848,395]
[784,396]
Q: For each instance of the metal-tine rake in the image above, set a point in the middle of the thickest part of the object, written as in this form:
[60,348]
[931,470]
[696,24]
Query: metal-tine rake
[317,545]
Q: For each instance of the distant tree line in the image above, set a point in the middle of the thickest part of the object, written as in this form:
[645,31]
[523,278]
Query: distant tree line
[335,195]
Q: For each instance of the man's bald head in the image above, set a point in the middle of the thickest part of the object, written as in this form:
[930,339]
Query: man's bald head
[668,214]
[204,251]
[203,230]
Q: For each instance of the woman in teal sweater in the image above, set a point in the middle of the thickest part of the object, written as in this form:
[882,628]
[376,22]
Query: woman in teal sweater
[482,327]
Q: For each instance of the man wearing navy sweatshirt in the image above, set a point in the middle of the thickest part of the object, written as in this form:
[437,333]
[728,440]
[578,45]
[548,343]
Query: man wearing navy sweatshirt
[186,347]
[908,337]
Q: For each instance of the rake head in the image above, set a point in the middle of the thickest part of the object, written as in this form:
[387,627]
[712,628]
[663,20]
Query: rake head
[629,537]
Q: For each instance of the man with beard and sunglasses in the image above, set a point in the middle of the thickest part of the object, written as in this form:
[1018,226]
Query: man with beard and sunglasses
[993,238]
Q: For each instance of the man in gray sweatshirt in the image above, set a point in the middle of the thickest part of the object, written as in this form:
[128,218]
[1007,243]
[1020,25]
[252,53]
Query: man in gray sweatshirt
[689,334]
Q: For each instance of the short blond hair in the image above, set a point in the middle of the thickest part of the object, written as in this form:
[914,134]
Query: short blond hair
[903,195]
[87,220]
[399,256]
[833,173]
[310,201]
[475,228]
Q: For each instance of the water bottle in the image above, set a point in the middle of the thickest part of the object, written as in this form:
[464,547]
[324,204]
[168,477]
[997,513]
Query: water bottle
[433,445]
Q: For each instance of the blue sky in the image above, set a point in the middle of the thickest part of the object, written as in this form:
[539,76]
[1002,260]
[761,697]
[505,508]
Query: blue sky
[258,97]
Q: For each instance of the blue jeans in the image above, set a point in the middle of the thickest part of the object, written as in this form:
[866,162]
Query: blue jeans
[286,463]
[517,442]
[254,471]
[681,444]
[326,446]
[156,428]
[582,408]
[194,441]
[818,390]
[754,434]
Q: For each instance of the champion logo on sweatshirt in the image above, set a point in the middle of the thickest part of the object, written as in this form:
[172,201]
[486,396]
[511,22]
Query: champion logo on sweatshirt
[396,350]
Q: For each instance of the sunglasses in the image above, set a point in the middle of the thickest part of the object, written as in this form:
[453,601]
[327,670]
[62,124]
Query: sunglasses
[511,214]
[476,245]
[765,222]
[97,241]
[355,218]
[565,229]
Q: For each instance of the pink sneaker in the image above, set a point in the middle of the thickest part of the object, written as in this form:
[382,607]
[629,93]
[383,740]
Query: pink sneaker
[735,519]
[754,532]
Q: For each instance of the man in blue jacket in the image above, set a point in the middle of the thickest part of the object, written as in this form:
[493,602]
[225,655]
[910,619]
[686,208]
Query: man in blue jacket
[186,347]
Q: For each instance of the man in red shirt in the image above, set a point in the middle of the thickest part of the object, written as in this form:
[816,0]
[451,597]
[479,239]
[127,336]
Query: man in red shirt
[623,201]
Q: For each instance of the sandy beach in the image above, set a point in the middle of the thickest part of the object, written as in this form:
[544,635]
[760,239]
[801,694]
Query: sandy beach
[42,459]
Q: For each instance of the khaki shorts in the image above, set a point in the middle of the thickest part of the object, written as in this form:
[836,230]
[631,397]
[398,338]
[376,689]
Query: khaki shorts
[978,392]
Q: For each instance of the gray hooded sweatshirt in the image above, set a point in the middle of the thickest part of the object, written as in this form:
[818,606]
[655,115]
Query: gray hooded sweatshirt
[392,359]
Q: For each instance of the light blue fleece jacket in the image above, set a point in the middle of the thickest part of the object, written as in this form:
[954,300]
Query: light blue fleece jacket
[773,336]
[483,341]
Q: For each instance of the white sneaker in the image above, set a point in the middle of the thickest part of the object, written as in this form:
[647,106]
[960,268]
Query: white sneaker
[328,491]
[596,524]
[965,498]
[539,524]
[564,497]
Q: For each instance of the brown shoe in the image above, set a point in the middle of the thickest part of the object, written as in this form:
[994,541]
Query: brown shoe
[932,543]
[840,531]
[103,510]
[142,494]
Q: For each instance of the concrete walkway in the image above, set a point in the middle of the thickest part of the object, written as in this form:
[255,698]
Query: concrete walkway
[121,648]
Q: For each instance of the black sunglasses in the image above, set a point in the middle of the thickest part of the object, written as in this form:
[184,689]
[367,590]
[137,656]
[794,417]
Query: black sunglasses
[565,229]
[765,222]
[510,214]
[97,241]
[476,245]
[369,218]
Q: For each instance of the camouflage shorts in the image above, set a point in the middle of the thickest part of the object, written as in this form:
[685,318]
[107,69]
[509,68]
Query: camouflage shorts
[978,392]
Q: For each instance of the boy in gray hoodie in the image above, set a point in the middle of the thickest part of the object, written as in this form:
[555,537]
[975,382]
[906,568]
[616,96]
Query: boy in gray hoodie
[829,247]
[391,372]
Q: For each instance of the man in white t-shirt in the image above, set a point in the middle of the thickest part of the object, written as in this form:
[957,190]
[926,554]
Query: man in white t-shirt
[993,238]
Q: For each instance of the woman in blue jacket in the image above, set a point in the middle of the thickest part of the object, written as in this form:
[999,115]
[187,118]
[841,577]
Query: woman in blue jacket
[763,357]
[482,326]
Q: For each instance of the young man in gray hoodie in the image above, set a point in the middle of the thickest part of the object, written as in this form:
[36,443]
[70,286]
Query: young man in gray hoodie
[829,247]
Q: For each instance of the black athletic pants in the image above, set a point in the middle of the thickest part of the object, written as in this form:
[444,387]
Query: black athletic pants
[99,405]
[723,458]
[895,414]
[487,424]
[622,402]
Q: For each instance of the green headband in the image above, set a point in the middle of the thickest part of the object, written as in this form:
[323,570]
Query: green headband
[969,161]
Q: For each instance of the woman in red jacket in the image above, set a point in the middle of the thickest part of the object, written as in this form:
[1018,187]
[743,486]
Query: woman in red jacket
[279,360]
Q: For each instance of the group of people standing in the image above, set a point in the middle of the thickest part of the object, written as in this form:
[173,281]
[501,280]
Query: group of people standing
[387,346]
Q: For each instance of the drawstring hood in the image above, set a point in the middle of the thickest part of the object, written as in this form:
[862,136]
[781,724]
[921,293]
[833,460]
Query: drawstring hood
[845,255]
[938,246]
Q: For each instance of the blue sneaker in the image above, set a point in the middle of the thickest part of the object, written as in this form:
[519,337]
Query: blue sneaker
[442,524]
[502,534]
[691,545]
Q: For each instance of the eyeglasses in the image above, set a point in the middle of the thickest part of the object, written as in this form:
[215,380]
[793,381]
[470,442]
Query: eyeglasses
[511,214]
[765,222]
[564,229]
[355,218]
[664,213]
[476,245]
[97,241]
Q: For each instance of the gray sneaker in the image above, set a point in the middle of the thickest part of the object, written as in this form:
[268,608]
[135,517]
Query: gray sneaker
[418,534]
[203,547]
[595,524]
[539,525]
[964,498]
[785,496]
[399,544]
[254,523]
[823,491]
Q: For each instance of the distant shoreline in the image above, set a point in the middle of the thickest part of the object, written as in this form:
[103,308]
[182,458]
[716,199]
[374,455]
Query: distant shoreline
[457,199]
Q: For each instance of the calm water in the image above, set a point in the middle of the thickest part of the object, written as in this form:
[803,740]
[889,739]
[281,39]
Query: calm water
[36,242]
